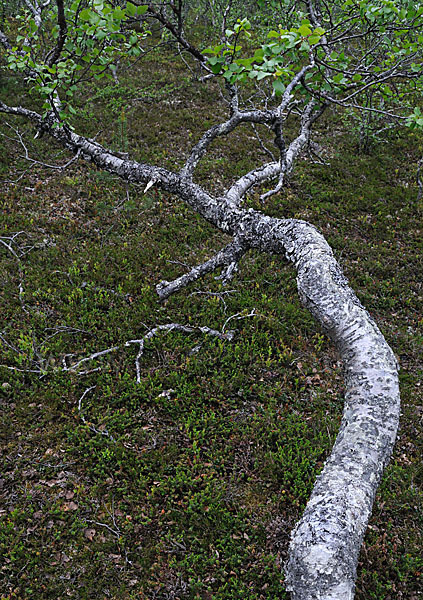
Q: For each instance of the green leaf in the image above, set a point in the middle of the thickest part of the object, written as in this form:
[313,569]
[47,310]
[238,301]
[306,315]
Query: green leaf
[245,62]
[216,68]
[276,48]
[314,39]
[131,9]
[279,87]
[262,75]
[258,55]
[85,14]
[141,10]
[101,34]
[118,14]
[304,30]
[339,78]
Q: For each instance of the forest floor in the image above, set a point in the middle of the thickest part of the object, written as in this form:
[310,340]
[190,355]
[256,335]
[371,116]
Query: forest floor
[187,484]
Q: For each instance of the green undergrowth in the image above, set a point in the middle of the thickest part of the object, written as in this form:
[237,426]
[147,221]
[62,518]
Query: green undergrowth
[187,484]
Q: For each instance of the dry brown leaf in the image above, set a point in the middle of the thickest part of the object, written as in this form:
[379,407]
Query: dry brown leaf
[89,534]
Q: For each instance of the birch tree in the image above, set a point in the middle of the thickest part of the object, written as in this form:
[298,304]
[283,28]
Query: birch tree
[364,57]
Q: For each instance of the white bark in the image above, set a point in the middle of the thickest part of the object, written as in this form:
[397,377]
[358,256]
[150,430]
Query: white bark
[325,544]
[227,257]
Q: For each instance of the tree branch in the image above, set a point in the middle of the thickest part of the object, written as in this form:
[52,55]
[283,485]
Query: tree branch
[263,173]
[179,37]
[61,21]
[237,117]
[173,327]
[296,146]
[228,256]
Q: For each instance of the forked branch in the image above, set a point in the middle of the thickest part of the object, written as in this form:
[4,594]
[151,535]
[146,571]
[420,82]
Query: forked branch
[228,257]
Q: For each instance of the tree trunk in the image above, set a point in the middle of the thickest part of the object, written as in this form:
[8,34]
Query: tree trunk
[326,542]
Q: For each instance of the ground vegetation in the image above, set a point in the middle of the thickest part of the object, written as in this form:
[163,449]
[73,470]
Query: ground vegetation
[173,462]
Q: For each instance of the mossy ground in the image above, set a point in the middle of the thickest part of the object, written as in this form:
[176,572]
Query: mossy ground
[195,477]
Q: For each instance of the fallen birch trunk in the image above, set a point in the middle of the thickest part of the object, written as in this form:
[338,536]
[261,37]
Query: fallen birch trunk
[326,542]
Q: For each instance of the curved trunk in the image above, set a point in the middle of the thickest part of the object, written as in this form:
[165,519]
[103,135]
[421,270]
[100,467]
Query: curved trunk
[325,544]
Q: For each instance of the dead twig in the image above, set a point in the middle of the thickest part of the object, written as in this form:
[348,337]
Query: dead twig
[90,426]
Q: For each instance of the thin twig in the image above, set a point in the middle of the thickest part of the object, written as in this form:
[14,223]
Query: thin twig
[240,315]
[88,424]
[173,327]
[419,180]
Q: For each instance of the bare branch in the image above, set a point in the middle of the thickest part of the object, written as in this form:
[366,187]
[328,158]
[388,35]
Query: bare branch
[228,257]
[90,426]
[240,315]
[263,173]
[296,146]
[173,327]
[35,10]
[7,242]
[199,150]
[238,117]
[74,367]
[273,169]
[19,139]
[224,20]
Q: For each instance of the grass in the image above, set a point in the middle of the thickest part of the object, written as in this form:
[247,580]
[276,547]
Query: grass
[196,476]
